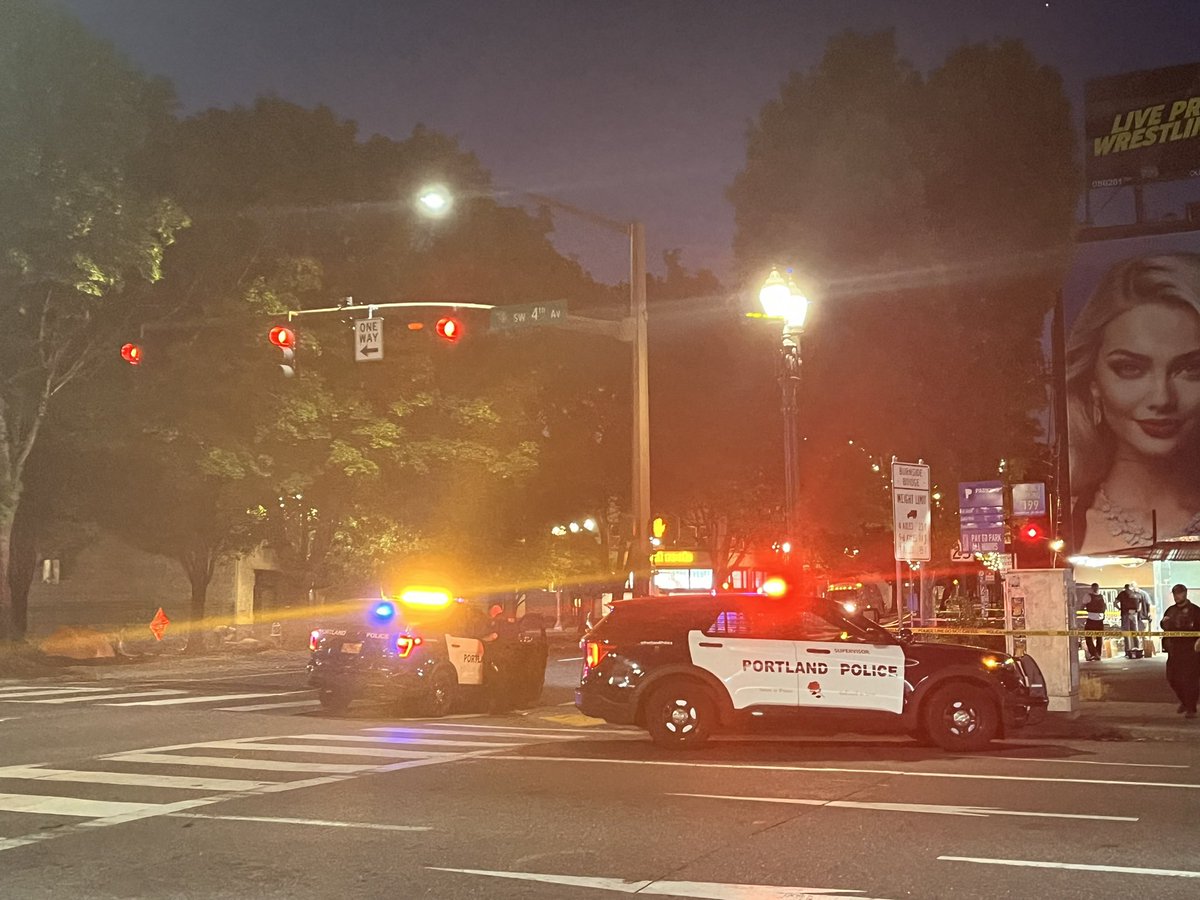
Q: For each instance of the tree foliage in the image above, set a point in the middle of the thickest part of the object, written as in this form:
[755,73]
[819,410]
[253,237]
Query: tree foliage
[929,217]
[84,216]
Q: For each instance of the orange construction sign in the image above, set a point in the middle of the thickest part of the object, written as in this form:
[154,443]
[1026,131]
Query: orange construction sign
[159,624]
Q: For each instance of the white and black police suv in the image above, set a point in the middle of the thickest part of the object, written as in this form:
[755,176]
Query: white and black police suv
[686,666]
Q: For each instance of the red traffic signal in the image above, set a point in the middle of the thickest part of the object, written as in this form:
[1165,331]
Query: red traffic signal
[1031,531]
[449,329]
[283,337]
[132,354]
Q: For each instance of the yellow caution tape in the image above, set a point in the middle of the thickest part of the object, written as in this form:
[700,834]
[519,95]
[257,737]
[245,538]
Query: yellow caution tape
[1063,633]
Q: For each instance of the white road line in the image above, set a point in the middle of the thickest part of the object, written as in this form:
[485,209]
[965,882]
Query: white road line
[90,698]
[69,806]
[401,739]
[849,771]
[1092,762]
[572,659]
[933,809]
[229,762]
[207,699]
[384,752]
[285,821]
[531,729]
[482,734]
[702,890]
[256,707]
[49,692]
[138,779]
[1075,867]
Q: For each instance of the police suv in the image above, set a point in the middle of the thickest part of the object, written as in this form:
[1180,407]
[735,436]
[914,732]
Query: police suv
[687,666]
[424,652]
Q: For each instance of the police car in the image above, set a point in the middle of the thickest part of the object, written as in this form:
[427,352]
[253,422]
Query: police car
[687,666]
[425,652]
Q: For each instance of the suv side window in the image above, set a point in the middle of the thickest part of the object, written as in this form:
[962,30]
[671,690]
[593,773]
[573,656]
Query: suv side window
[751,620]
[811,626]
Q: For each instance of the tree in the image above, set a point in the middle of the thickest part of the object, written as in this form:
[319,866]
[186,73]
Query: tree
[84,215]
[933,215]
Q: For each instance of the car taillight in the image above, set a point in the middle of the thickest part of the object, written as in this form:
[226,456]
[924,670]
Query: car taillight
[314,640]
[405,644]
[594,651]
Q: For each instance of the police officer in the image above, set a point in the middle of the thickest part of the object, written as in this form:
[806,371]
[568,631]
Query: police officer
[501,637]
[1183,660]
[1129,602]
[1094,607]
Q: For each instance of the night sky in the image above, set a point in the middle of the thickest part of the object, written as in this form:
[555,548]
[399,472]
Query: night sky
[634,109]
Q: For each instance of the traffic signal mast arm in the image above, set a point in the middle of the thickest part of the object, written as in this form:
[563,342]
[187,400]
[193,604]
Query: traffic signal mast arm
[621,329]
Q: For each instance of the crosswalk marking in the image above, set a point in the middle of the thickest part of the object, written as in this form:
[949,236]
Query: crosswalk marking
[260,706]
[207,699]
[325,823]
[137,779]
[401,739]
[507,734]
[382,752]
[88,698]
[229,762]
[68,806]
[367,751]
[21,693]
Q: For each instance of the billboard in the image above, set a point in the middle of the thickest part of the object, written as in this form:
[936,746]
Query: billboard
[1132,316]
[1143,126]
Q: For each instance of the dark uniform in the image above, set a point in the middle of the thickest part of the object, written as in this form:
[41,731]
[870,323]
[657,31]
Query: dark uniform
[1095,608]
[503,634]
[1183,662]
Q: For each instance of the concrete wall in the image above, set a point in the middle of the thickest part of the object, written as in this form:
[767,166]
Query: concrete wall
[110,584]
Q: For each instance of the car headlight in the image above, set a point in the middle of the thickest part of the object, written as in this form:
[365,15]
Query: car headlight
[992,663]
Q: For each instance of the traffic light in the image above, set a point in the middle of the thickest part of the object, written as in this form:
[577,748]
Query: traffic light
[1030,531]
[132,354]
[449,329]
[285,340]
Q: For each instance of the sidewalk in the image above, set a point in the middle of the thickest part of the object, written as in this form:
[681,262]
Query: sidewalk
[1124,700]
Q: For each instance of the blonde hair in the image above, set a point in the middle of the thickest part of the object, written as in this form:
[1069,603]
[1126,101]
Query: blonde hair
[1170,279]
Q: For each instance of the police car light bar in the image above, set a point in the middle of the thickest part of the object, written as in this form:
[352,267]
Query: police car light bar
[425,596]
[314,639]
[384,611]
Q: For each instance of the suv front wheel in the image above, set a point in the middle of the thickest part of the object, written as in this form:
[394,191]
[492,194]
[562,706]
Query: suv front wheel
[680,714]
[960,716]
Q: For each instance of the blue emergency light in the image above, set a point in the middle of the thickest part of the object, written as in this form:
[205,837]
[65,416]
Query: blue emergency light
[383,612]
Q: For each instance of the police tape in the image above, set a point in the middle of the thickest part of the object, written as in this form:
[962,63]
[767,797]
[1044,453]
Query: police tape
[1080,633]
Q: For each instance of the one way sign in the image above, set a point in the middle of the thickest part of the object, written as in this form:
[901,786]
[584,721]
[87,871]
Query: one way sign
[368,340]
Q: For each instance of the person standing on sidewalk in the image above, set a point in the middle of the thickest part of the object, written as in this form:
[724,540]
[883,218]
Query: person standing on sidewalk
[1095,607]
[1129,602]
[1183,659]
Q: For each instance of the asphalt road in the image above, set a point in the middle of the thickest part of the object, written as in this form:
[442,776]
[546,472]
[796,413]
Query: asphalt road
[238,791]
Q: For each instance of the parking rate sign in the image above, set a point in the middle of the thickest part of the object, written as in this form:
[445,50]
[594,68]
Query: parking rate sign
[910,511]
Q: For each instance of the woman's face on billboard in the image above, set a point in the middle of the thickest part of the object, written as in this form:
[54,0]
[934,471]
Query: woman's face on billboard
[1147,378]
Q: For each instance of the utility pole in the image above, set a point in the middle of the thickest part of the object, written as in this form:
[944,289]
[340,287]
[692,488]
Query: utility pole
[641,410]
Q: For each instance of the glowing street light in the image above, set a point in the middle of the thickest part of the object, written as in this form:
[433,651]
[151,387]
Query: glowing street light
[434,200]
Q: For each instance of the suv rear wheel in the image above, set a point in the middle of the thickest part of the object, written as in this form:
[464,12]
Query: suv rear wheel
[680,714]
[960,716]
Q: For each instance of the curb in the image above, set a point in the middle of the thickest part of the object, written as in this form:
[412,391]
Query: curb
[1090,729]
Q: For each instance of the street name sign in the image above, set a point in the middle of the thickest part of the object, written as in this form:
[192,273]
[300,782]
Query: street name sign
[368,340]
[910,511]
[528,315]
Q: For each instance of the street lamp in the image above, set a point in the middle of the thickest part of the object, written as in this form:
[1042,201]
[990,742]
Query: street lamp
[781,299]
[436,200]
